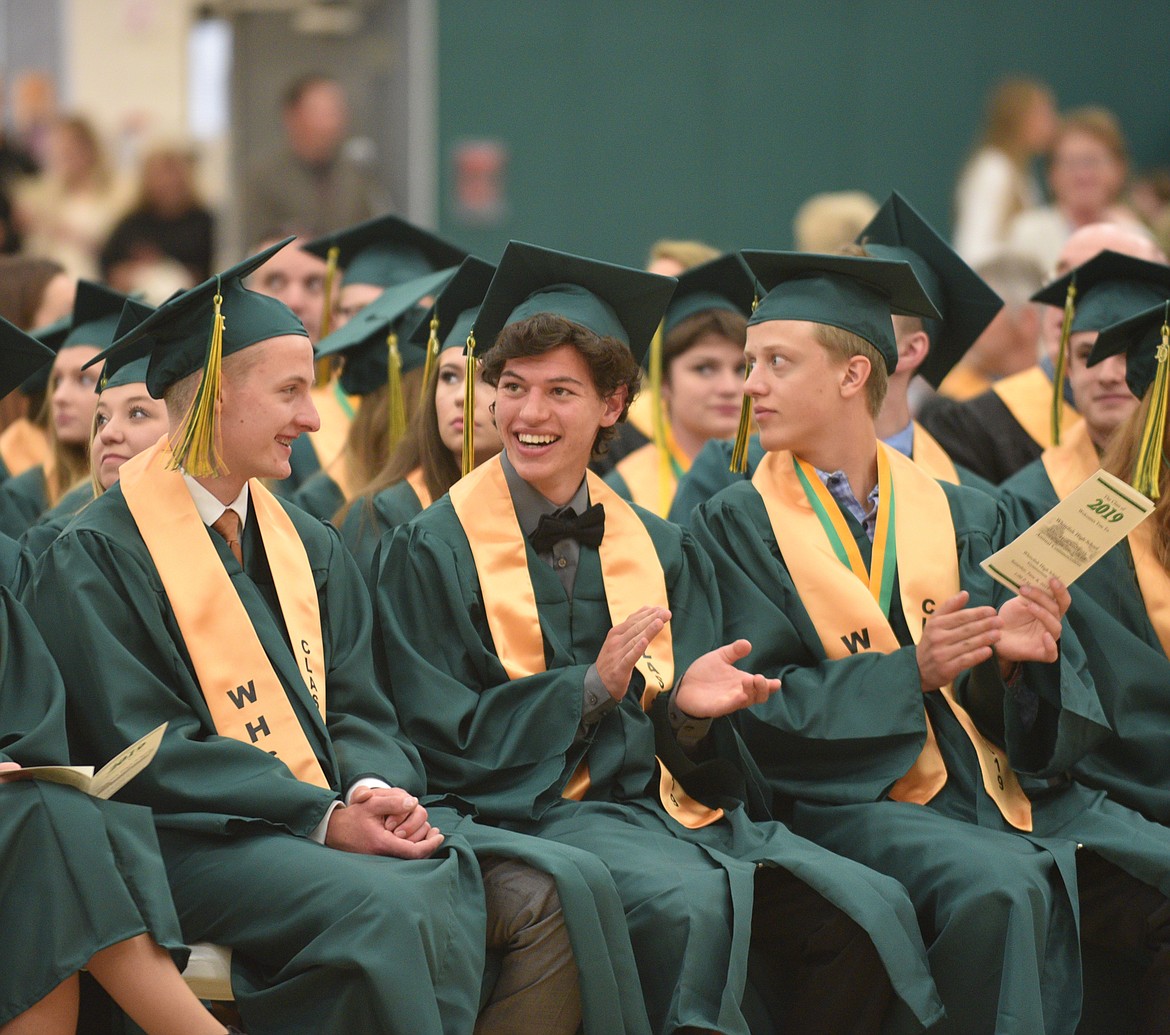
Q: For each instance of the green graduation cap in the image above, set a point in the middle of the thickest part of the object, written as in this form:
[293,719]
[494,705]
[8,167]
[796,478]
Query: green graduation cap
[194,331]
[722,283]
[961,296]
[1106,289]
[23,356]
[116,372]
[449,320]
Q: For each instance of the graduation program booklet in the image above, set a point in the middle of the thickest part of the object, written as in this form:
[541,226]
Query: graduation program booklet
[1073,535]
[108,780]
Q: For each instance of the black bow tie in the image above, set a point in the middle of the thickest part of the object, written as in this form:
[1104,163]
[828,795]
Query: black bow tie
[566,523]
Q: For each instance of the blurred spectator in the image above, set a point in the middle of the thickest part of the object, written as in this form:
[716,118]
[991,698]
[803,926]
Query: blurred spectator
[34,112]
[66,214]
[168,221]
[827,221]
[294,276]
[311,182]
[997,182]
[1149,196]
[1086,173]
[668,258]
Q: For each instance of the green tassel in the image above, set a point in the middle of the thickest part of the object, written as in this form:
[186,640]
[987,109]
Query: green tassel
[195,445]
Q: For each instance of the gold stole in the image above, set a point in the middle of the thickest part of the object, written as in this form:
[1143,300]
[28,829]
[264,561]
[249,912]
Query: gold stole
[417,481]
[931,457]
[1028,397]
[963,383]
[329,440]
[847,616]
[23,445]
[243,692]
[640,471]
[641,414]
[631,574]
[1071,463]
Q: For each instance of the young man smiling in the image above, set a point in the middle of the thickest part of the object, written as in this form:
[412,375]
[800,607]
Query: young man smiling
[917,693]
[538,632]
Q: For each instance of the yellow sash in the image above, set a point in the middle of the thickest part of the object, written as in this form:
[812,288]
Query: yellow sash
[23,445]
[631,574]
[641,415]
[1071,463]
[848,619]
[932,458]
[244,695]
[963,383]
[1028,397]
[329,440]
[417,481]
[640,471]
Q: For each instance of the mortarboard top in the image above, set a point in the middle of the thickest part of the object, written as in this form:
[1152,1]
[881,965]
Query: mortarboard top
[722,283]
[1110,287]
[610,300]
[1139,337]
[966,303]
[386,251]
[23,356]
[854,293]
[363,339]
[116,372]
[453,306]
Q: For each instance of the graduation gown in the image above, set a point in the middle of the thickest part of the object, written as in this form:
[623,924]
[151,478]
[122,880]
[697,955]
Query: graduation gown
[323,940]
[22,501]
[832,768]
[371,517]
[320,496]
[40,534]
[77,875]
[510,746]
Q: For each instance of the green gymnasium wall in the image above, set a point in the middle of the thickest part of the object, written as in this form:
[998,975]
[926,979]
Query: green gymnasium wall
[630,120]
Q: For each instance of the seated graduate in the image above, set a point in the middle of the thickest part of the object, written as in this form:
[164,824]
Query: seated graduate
[696,381]
[83,882]
[531,620]
[1116,612]
[917,692]
[286,805]
[928,347]
[71,400]
[429,459]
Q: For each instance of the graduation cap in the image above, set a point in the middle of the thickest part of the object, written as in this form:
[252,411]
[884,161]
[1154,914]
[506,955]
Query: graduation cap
[194,331]
[609,300]
[1145,340]
[385,251]
[966,303]
[375,346]
[855,293]
[23,356]
[116,371]
[1106,289]
[449,320]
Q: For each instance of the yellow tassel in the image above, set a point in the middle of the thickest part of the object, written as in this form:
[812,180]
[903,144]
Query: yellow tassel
[331,259]
[1058,374]
[659,424]
[1148,470]
[195,445]
[395,403]
[432,357]
[469,408]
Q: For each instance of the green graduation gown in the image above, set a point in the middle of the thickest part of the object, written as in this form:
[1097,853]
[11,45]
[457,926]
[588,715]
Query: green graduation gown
[323,940]
[369,518]
[509,747]
[22,501]
[320,496]
[984,892]
[40,534]
[77,875]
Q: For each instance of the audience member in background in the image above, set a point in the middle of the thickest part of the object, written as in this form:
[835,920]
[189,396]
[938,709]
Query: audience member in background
[997,182]
[169,221]
[668,257]
[294,276]
[1086,173]
[827,221]
[66,214]
[1011,342]
[310,181]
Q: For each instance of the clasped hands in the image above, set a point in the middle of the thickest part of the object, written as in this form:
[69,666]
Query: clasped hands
[956,637]
[383,821]
[710,687]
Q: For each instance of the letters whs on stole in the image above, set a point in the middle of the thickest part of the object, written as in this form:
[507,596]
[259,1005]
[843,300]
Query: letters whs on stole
[108,780]
[1073,535]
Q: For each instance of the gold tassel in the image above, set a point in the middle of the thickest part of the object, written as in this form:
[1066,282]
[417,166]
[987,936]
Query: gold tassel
[1058,374]
[195,445]
[1148,470]
[739,452]
[658,421]
[432,357]
[395,403]
[469,407]
[331,259]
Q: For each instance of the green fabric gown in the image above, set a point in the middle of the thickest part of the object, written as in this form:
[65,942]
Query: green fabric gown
[509,746]
[983,891]
[22,501]
[320,496]
[77,875]
[322,940]
[370,518]
[38,537]
[1129,667]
